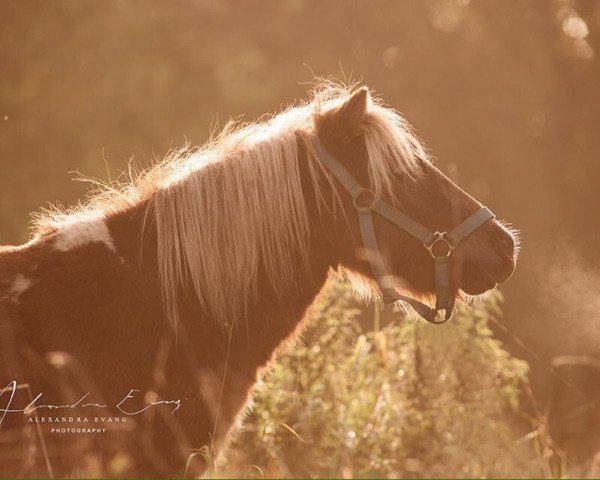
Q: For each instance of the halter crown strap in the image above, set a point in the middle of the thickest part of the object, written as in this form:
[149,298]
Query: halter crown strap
[355,189]
[366,203]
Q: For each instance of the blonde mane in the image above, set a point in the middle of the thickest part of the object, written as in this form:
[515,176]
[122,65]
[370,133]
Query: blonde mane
[236,205]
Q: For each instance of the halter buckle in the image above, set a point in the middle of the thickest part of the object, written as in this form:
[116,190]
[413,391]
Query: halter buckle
[364,200]
[440,240]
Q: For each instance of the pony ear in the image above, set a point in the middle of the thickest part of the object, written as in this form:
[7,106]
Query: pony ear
[344,121]
[351,112]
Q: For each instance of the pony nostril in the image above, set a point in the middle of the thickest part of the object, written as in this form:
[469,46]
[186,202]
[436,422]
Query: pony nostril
[505,245]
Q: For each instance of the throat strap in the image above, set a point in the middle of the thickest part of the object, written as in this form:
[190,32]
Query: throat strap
[385,282]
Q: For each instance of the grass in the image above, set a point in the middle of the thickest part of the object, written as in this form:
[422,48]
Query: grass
[371,395]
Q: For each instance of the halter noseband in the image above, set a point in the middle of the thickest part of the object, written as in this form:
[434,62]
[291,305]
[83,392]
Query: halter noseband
[440,245]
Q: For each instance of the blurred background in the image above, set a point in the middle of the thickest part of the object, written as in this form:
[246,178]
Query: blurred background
[505,94]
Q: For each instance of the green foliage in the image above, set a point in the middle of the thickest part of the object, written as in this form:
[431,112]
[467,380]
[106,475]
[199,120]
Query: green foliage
[411,399]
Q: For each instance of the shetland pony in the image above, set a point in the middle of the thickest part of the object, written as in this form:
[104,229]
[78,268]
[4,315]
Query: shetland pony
[139,321]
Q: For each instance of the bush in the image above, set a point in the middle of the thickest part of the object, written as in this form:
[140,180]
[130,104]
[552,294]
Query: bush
[410,399]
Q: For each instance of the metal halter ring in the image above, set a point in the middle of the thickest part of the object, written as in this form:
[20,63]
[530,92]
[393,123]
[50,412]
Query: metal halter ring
[364,200]
[439,238]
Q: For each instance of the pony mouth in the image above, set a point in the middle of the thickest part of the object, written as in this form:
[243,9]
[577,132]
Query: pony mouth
[476,279]
[479,289]
[479,284]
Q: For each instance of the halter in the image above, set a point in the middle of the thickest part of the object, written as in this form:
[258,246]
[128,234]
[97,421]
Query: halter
[440,245]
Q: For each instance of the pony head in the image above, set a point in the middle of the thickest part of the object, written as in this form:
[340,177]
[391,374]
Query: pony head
[378,148]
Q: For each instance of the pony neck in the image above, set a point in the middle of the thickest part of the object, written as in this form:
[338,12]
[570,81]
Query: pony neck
[270,319]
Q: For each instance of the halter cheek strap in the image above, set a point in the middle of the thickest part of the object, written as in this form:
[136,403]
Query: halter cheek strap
[440,245]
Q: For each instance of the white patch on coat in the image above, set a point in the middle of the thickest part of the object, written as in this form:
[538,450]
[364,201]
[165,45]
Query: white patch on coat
[82,231]
[18,286]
